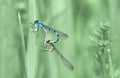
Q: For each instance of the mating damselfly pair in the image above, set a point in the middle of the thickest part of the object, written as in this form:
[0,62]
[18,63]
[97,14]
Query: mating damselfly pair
[49,44]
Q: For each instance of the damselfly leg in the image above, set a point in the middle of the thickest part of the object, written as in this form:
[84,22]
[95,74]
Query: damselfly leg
[50,47]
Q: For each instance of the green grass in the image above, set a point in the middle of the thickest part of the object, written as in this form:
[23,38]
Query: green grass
[102,41]
[21,53]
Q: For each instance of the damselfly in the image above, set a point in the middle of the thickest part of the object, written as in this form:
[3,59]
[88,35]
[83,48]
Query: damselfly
[38,25]
[50,47]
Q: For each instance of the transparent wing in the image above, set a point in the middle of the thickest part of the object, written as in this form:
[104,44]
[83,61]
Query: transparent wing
[61,34]
[65,61]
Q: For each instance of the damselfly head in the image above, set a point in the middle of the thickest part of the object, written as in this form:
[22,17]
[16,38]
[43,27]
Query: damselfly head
[35,26]
[36,22]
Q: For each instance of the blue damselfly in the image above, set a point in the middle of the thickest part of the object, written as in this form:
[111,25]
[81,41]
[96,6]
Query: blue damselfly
[38,25]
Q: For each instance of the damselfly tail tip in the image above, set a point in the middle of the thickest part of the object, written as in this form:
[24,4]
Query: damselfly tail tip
[71,68]
[66,36]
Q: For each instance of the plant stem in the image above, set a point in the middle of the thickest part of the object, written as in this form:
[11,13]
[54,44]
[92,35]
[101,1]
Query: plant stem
[23,45]
[104,57]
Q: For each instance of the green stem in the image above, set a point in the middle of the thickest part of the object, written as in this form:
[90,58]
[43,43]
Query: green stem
[23,45]
[110,65]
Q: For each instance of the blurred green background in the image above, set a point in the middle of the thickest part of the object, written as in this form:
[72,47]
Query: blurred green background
[21,53]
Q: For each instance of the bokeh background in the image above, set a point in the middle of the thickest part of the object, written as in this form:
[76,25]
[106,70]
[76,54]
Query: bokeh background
[22,54]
